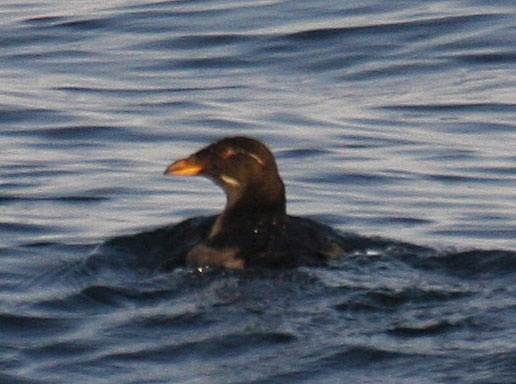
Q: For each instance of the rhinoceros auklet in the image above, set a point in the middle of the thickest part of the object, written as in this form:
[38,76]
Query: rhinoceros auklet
[254,229]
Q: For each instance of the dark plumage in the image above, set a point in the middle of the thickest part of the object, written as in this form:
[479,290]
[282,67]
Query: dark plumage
[254,229]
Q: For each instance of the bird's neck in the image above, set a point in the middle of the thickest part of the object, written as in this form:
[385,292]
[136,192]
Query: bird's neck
[254,211]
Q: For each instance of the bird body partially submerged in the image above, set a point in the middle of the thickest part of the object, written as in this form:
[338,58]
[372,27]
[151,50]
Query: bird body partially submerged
[254,229]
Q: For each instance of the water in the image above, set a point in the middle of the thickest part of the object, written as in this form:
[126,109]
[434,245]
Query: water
[390,120]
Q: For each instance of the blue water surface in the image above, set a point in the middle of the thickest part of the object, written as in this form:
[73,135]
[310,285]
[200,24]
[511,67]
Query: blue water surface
[393,122]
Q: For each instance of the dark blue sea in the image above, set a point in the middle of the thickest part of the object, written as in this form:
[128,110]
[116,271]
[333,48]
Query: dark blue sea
[394,122]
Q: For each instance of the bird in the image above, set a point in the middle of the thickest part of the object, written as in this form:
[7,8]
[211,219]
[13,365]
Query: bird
[254,229]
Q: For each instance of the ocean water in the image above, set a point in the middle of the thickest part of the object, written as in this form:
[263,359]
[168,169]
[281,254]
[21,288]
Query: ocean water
[393,122]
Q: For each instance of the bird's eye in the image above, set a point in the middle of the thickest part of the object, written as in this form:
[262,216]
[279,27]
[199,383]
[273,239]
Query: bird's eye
[227,153]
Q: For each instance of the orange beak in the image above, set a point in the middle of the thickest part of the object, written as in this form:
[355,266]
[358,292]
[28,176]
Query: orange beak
[183,167]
